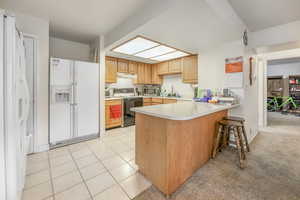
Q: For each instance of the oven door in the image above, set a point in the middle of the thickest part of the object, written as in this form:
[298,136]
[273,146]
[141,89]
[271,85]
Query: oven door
[129,116]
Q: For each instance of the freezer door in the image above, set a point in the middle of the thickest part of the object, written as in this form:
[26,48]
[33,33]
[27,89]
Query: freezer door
[60,123]
[61,71]
[86,98]
[61,109]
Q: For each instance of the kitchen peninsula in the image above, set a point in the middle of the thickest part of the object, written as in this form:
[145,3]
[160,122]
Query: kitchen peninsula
[174,140]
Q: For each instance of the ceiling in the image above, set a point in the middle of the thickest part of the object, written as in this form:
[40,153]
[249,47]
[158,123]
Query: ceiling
[202,27]
[261,14]
[284,61]
[190,25]
[77,20]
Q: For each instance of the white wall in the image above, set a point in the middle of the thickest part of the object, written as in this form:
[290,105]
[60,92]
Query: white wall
[183,89]
[212,75]
[284,69]
[276,35]
[2,143]
[39,28]
[211,64]
[69,50]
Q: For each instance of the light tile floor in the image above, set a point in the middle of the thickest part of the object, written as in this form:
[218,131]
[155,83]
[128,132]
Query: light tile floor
[99,169]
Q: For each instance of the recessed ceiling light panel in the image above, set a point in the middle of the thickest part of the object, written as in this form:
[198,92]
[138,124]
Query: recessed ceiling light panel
[156,51]
[135,46]
[169,56]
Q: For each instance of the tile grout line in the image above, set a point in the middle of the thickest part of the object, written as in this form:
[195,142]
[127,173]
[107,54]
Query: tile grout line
[81,176]
[84,181]
[50,173]
[111,176]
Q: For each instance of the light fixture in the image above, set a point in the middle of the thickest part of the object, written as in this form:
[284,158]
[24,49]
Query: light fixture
[136,45]
[169,56]
[156,51]
[149,49]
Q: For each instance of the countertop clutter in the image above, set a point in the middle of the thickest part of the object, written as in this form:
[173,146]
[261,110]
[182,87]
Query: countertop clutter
[185,110]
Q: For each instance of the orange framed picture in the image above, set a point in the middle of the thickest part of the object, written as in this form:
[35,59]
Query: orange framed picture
[234,65]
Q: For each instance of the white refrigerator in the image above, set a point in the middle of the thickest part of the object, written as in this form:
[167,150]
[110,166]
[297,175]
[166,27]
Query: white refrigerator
[14,109]
[74,101]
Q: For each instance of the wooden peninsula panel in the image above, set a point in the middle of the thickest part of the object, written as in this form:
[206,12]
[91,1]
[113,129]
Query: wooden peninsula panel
[168,152]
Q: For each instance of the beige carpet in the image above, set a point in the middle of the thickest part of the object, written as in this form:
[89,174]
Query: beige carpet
[273,173]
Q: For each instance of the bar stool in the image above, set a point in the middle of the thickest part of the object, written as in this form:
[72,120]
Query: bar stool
[227,128]
[242,121]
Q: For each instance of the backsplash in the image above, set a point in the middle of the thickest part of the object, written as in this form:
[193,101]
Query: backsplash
[183,89]
[123,81]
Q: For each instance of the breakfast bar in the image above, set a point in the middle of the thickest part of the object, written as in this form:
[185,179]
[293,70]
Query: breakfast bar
[174,140]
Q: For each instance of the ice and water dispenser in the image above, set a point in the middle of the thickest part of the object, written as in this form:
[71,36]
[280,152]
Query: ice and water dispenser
[61,94]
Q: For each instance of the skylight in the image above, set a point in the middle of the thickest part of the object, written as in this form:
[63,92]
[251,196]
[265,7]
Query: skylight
[169,56]
[135,46]
[149,49]
[156,51]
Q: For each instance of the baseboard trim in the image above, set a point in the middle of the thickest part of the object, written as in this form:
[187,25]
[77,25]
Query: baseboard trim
[41,148]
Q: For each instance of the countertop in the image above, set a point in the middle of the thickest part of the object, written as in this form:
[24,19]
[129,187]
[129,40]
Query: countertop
[185,110]
[177,98]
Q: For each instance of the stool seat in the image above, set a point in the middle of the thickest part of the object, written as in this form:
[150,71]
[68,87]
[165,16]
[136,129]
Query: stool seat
[233,118]
[230,123]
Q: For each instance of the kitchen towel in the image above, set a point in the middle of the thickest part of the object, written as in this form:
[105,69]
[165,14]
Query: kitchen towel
[115,111]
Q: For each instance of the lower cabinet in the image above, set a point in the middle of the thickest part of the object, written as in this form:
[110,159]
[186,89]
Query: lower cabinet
[157,101]
[110,120]
[169,101]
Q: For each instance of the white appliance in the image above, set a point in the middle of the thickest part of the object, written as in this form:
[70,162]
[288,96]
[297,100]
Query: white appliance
[74,101]
[14,108]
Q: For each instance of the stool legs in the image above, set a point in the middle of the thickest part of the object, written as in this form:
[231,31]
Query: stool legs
[245,137]
[238,146]
[225,137]
[240,134]
[217,141]
[224,131]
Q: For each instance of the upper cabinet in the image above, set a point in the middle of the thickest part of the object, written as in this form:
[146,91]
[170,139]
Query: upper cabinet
[123,65]
[111,66]
[175,66]
[132,68]
[170,67]
[190,69]
[152,73]
[148,74]
[163,68]
[140,73]
[156,79]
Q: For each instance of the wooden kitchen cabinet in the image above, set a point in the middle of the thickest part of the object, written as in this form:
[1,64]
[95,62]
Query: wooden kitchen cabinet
[148,74]
[147,104]
[169,101]
[157,100]
[175,66]
[190,69]
[140,73]
[111,66]
[147,101]
[109,121]
[132,67]
[170,67]
[163,68]
[123,65]
[156,79]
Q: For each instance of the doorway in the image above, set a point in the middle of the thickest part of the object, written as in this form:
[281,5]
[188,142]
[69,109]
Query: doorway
[279,91]
[30,43]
